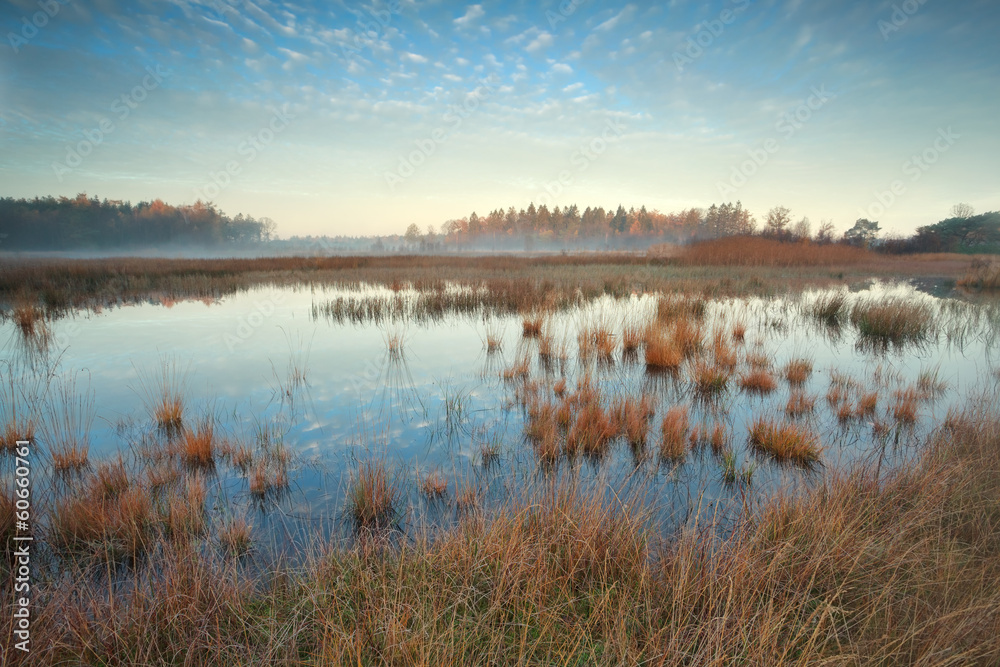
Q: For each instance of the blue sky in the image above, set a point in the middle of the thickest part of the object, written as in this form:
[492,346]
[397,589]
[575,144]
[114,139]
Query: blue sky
[359,118]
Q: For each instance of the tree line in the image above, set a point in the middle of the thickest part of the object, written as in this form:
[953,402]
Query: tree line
[963,231]
[49,223]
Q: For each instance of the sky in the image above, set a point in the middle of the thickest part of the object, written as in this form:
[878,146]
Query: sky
[345,118]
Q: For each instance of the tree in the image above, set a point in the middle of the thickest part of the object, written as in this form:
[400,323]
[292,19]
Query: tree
[777,221]
[412,233]
[862,233]
[825,232]
[802,229]
[963,211]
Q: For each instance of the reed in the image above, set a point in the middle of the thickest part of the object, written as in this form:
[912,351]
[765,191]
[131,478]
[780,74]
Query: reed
[674,428]
[434,485]
[758,381]
[198,445]
[797,371]
[235,536]
[799,404]
[662,353]
[710,380]
[785,442]
[830,308]
[892,319]
[373,500]
[905,406]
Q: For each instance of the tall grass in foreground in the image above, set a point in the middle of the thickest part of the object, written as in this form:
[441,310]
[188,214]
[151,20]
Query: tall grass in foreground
[858,570]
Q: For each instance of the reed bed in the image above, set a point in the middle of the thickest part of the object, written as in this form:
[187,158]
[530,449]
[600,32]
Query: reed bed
[674,431]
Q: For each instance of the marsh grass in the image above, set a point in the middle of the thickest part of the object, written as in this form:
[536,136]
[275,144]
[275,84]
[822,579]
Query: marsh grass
[235,535]
[785,442]
[797,371]
[662,354]
[197,445]
[892,319]
[830,308]
[758,381]
[434,485]
[373,497]
[807,577]
[67,428]
[674,431]
[799,403]
[163,395]
[710,380]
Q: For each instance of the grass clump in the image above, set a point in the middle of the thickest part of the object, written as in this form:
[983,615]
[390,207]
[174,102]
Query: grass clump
[830,308]
[892,319]
[373,500]
[758,381]
[785,442]
[797,371]
[674,429]
[710,380]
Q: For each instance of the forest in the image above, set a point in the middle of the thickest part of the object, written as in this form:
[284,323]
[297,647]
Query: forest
[82,223]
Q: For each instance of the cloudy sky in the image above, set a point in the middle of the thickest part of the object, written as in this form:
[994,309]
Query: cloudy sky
[357,118]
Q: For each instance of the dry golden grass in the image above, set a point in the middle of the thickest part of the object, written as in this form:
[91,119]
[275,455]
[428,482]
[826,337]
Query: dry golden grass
[758,381]
[373,500]
[592,431]
[518,371]
[631,415]
[867,404]
[756,251]
[892,319]
[197,445]
[905,406]
[632,339]
[739,331]
[856,569]
[674,428]
[662,353]
[235,536]
[559,388]
[722,351]
[531,326]
[710,380]
[785,442]
[799,403]
[434,485]
[797,371]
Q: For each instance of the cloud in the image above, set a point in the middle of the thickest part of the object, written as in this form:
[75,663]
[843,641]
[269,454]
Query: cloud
[472,14]
[562,68]
[414,57]
[613,22]
[573,87]
[543,41]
